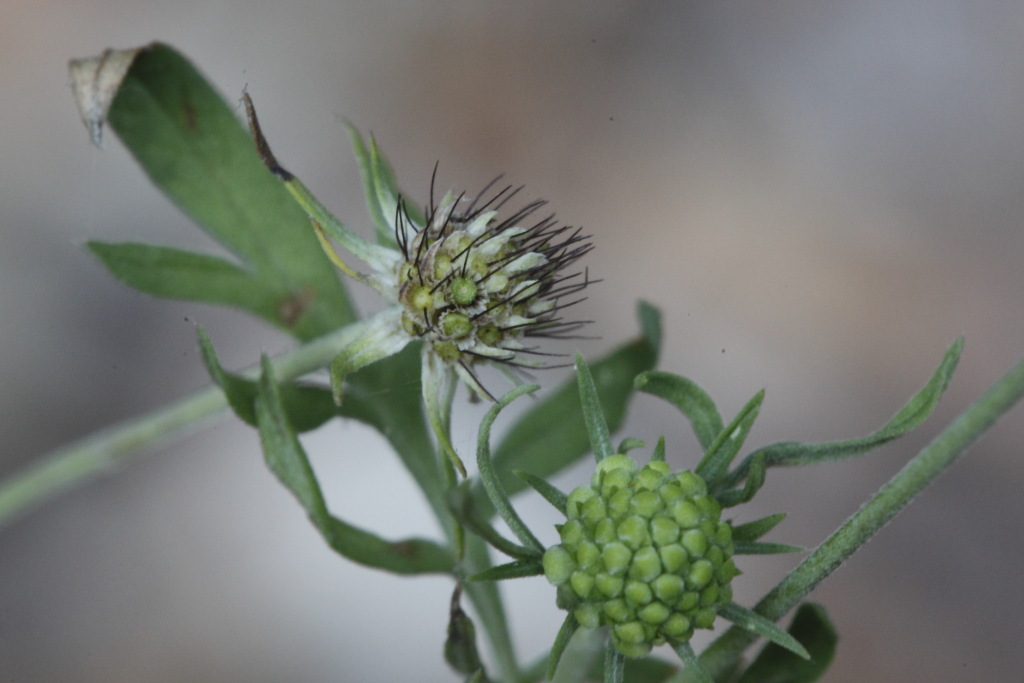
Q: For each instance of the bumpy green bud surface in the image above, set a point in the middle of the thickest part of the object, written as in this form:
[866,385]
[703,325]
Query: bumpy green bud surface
[645,552]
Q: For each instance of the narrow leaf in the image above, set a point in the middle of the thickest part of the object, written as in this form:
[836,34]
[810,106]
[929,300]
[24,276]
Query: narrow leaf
[287,459]
[729,442]
[696,672]
[495,489]
[812,627]
[689,398]
[758,548]
[307,407]
[916,410]
[593,414]
[516,569]
[614,665]
[550,436]
[754,623]
[549,492]
[751,531]
[462,505]
[565,634]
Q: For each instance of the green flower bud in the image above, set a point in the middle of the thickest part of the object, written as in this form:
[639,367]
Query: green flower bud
[645,552]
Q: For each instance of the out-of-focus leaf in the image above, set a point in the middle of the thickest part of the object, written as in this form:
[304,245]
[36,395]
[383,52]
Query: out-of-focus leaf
[194,148]
[307,407]
[287,459]
[552,435]
[387,396]
[916,411]
[812,627]
[689,398]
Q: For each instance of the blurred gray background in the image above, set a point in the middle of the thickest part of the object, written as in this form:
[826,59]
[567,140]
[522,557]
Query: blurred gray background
[820,196]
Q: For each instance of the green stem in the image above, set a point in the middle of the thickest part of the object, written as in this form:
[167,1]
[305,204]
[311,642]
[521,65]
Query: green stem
[722,654]
[101,452]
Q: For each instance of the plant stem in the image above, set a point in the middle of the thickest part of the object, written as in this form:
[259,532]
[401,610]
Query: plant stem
[99,453]
[725,651]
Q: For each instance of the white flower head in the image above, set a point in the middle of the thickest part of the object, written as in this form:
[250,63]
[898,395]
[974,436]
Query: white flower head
[477,287]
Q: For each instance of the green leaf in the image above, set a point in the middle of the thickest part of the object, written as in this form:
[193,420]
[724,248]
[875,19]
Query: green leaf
[174,273]
[550,435]
[753,622]
[565,634]
[689,398]
[916,411]
[287,459]
[193,147]
[379,187]
[696,672]
[307,407]
[751,531]
[387,396]
[593,414]
[493,486]
[729,442]
[812,627]
[755,480]
[580,654]
[757,548]
[463,507]
[516,569]
[614,665]
[549,492]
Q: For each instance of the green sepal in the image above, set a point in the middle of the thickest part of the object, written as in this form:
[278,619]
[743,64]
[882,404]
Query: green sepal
[307,407]
[689,398]
[287,459]
[812,627]
[193,148]
[546,490]
[694,670]
[751,531]
[912,414]
[753,622]
[728,443]
[492,484]
[516,569]
[464,509]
